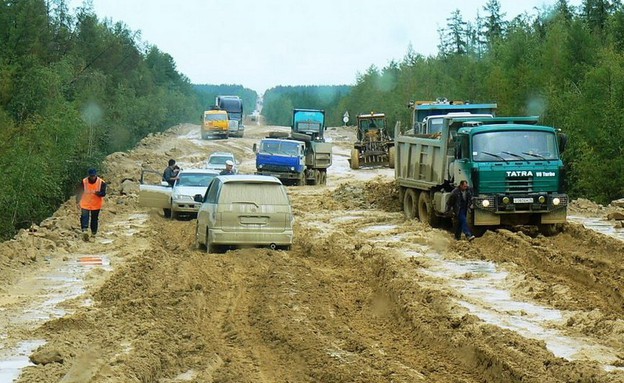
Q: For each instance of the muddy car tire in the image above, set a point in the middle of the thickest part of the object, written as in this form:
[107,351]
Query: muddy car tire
[167,213]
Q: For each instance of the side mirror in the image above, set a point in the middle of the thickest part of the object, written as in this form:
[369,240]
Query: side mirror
[164,183]
[563,142]
[255,148]
[198,198]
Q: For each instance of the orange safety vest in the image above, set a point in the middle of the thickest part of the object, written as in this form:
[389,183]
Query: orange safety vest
[89,200]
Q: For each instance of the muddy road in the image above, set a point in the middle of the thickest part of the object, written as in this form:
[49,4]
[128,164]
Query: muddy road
[363,296]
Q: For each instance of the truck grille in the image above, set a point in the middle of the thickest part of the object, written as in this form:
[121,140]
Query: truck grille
[519,185]
[275,168]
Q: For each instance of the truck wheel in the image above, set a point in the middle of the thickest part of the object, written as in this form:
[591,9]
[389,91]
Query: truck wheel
[317,177]
[391,155]
[548,229]
[355,159]
[323,177]
[425,210]
[410,201]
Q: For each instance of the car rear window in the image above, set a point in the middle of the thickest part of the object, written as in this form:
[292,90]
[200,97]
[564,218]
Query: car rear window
[258,193]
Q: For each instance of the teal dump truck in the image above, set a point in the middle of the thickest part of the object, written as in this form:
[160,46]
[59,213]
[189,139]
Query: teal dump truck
[512,163]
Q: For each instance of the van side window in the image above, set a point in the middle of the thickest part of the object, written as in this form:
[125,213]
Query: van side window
[213,191]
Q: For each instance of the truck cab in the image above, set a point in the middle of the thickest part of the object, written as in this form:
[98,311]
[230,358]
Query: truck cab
[308,122]
[281,158]
[215,124]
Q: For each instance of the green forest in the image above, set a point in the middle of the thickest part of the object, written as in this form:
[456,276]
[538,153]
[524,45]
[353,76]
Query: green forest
[564,64]
[72,90]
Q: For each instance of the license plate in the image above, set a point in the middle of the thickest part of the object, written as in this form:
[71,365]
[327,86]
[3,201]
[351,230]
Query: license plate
[523,200]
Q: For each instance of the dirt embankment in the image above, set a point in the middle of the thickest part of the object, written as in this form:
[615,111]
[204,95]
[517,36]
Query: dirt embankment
[355,300]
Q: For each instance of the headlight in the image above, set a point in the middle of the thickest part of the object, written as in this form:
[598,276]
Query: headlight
[178,197]
[485,203]
[505,200]
[541,199]
[260,166]
[292,168]
[556,201]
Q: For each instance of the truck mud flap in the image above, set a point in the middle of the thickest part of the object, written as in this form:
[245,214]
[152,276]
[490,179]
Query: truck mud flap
[555,216]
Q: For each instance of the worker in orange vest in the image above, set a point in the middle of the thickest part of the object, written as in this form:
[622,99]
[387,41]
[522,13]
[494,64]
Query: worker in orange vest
[90,198]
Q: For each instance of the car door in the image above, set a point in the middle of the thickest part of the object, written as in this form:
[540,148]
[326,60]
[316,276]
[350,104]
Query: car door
[154,195]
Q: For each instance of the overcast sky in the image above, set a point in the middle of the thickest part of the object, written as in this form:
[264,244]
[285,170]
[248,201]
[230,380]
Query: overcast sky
[264,43]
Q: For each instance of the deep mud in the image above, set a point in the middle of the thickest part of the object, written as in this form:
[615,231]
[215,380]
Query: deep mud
[363,296]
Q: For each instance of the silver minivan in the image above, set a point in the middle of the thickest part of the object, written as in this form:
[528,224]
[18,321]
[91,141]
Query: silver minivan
[244,210]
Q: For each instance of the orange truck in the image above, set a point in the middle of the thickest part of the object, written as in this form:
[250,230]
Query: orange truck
[215,124]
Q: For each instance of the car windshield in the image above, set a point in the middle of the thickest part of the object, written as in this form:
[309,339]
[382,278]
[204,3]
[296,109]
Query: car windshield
[308,127]
[284,148]
[195,179]
[513,146]
[219,160]
[215,117]
[254,193]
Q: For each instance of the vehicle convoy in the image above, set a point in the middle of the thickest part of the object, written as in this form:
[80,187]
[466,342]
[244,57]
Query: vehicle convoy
[300,157]
[512,164]
[179,199]
[374,142]
[233,105]
[244,210]
[215,124]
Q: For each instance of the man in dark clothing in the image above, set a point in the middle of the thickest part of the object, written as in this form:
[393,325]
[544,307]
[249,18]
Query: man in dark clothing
[458,205]
[90,198]
[229,169]
[170,175]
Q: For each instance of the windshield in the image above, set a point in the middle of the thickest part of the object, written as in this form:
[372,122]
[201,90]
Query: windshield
[435,125]
[219,160]
[374,123]
[215,117]
[308,127]
[514,146]
[194,179]
[285,148]
[234,116]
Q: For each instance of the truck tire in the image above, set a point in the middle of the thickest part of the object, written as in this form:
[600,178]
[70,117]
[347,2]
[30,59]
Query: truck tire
[425,210]
[548,229]
[391,155]
[323,177]
[410,204]
[317,177]
[355,159]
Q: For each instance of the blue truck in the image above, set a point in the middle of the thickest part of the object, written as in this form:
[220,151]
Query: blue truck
[301,157]
[233,105]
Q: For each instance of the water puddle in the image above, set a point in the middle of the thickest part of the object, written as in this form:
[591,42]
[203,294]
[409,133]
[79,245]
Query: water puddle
[11,367]
[378,228]
[600,225]
[485,294]
[40,300]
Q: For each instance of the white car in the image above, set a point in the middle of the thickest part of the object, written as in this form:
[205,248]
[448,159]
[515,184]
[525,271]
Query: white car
[217,160]
[179,199]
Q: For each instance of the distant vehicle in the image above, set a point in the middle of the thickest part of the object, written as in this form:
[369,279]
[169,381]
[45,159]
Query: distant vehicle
[215,123]
[247,210]
[374,145]
[233,105]
[179,199]
[217,160]
[301,157]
